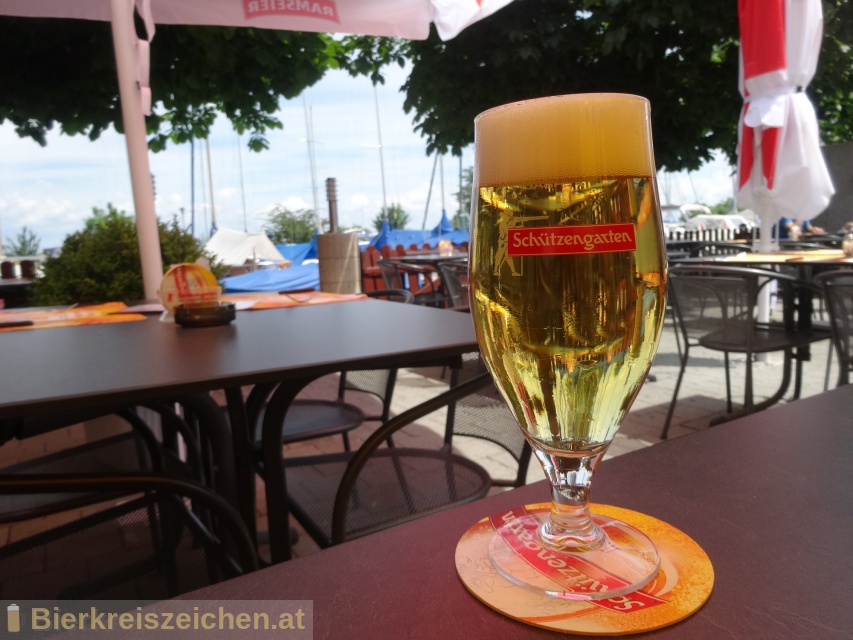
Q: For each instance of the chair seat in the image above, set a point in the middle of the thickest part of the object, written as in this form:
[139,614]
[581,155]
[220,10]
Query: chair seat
[397,485]
[307,419]
[764,340]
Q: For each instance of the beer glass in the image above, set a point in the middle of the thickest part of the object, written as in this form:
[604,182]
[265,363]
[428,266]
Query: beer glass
[567,284]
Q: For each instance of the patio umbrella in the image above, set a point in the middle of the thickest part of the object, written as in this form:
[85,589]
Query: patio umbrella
[401,18]
[781,170]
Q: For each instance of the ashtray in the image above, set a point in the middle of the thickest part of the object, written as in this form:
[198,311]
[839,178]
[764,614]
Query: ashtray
[205,315]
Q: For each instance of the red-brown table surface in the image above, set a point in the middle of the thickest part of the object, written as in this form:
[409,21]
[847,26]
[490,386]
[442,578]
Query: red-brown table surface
[768,497]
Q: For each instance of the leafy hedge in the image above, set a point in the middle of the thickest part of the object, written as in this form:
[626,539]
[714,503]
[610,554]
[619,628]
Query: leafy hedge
[101,263]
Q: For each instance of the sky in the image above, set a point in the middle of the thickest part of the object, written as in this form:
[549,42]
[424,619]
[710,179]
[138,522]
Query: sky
[52,189]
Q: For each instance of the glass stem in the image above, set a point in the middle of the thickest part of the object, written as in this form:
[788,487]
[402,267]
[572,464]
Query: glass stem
[571,528]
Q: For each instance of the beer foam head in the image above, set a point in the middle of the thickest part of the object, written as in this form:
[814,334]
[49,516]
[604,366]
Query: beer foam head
[564,139]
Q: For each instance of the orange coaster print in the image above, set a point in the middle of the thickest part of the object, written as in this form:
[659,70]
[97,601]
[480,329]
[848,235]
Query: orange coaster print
[682,586]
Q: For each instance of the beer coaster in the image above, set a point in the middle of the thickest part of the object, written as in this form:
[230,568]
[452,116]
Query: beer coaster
[680,588]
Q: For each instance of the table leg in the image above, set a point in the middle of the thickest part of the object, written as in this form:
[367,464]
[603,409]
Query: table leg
[278,508]
[243,448]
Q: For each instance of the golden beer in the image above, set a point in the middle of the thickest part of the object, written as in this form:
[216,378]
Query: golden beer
[568,337]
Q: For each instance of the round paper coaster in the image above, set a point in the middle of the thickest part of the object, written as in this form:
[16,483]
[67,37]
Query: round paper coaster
[682,586]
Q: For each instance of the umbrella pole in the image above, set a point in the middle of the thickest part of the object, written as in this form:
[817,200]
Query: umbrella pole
[124,37]
[765,242]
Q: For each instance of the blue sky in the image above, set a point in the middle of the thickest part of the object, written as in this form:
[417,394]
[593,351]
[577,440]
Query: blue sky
[53,189]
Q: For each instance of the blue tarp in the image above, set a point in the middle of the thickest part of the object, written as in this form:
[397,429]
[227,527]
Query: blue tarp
[408,237]
[296,253]
[381,238]
[443,228]
[306,276]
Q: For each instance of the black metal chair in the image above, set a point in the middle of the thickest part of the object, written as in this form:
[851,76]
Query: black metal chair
[337,497]
[307,419]
[702,248]
[423,282]
[484,415]
[837,287]
[376,382]
[134,514]
[715,308]
[454,275]
[168,537]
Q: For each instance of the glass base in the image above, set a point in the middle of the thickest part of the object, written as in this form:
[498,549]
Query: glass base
[626,561]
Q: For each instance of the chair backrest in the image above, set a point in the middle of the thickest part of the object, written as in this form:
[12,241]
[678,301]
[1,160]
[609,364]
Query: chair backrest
[454,275]
[837,287]
[394,295]
[348,489]
[484,414]
[800,245]
[700,249]
[705,304]
[177,536]
[722,300]
[376,382]
[392,275]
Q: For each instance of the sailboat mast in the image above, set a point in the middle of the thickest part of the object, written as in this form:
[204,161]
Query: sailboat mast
[213,225]
[312,164]
[381,161]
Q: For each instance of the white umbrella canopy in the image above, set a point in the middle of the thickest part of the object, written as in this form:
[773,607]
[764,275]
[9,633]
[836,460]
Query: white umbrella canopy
[399,18]
[781,170]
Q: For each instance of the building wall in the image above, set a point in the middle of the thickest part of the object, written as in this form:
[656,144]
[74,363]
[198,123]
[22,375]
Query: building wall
[839,159]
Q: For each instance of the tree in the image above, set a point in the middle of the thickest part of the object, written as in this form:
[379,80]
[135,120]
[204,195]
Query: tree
[394,215]
[724,207]
[64,72]
[101,262]
[284,226]
[27,243]
[680,54]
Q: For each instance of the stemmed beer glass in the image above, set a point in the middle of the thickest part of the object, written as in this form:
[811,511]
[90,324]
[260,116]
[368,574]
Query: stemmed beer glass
[567,280]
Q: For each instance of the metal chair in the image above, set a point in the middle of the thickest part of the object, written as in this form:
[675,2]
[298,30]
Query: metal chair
[837,287]
[338,497]
[715,308]
[454,275]
[307,419]
[157,544]
[702,248]
[484,415]
[129,515]
[421,281]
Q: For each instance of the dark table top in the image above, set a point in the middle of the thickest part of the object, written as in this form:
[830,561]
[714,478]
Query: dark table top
[768,497]
[57,369]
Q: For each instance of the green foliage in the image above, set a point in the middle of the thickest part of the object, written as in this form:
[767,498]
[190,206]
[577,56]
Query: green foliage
[101,262]
[680,54]
[26,243]
[723,208]
[290,227]
[64,72]
[394,215]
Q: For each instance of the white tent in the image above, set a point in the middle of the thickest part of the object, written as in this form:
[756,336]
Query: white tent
[400,18]
[234,248]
